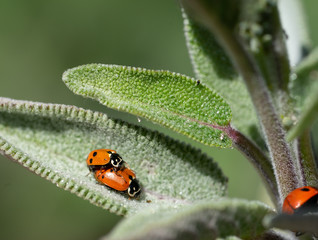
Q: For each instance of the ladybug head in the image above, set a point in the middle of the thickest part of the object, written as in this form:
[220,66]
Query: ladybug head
[116,160]
[134,189]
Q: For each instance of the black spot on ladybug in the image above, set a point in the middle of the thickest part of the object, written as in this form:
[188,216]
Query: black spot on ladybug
[111,170]
[130,177]
[90,160]
[94,154]
[103,176]
[305,189]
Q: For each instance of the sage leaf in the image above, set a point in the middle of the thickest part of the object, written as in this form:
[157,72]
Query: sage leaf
[308,116]
[170,99]
[304,77]
[54,140]
[304,89]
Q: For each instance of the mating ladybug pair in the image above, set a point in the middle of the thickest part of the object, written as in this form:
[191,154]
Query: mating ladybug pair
[110,169]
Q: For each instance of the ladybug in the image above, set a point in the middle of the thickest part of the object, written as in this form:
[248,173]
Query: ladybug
[120,180]
[104,158]
[301,200]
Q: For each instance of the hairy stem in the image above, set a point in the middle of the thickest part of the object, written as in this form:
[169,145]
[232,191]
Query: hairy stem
[258,159]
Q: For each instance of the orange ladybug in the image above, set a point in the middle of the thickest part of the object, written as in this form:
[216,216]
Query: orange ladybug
[104,158]
[122,180]
[301,200]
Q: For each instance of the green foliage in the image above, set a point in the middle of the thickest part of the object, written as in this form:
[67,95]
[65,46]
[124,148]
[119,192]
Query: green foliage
[209,220]
[238,49]
[171,99]
[54,140]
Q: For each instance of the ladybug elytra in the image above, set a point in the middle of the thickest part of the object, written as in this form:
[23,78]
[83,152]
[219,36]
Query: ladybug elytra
[121,180]
[301,200]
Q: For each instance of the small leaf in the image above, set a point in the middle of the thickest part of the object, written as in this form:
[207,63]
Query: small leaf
[170,99]
[308,116]
[304,90]
[210,220]
[54,140]
[304,78]
[213,67]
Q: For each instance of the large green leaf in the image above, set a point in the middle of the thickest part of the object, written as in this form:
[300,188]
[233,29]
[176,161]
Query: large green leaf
[54,140]
[210,220]
[170,99]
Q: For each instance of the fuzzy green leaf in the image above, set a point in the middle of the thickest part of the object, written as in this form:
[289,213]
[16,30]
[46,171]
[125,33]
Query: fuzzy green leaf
[209,220]
[54,140]
[213,67]
[304,89]
[303,80]
[309,115]
[170,99]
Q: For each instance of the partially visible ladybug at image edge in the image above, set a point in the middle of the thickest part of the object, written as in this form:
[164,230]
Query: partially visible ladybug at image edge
[301,200]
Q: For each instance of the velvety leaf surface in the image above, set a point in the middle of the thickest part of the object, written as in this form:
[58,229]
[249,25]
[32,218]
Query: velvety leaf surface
[210,220]
[54,140]
[170,99]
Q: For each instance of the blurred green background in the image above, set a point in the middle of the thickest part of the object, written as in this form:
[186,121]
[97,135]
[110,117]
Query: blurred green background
[39,40]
